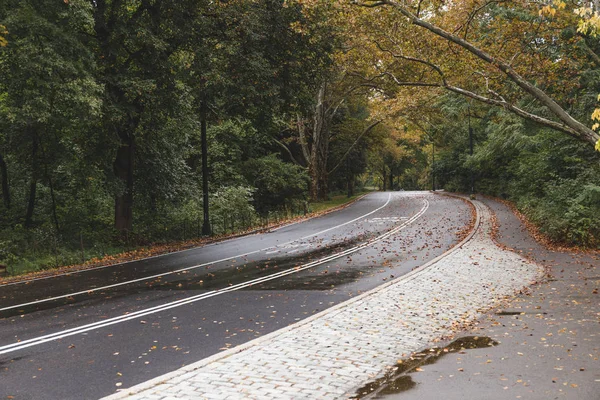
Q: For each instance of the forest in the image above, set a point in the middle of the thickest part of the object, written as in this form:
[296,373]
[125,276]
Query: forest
[128,123]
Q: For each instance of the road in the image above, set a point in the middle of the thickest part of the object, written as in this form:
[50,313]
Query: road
[87,334]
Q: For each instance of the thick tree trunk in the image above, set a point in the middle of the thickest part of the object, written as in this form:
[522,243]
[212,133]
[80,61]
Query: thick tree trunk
[53,199]
[319,149]
[123,169]
[384,180]
[31,202]
[391,179]
[4,178]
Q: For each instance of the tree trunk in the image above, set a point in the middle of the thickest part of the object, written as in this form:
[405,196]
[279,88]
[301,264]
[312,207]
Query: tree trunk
[206,229]
[4,178]
[123,169]
[350,184]
[53,199]
[391,179]
[319,150]
[32,184]
[384,180]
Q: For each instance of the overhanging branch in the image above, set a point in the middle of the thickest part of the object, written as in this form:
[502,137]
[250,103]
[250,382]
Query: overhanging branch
[364,132]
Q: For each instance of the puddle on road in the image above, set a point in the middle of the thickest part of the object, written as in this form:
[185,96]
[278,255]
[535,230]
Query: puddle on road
[398,379]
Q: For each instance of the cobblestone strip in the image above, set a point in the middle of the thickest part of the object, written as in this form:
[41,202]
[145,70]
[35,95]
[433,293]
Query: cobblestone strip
[330,355]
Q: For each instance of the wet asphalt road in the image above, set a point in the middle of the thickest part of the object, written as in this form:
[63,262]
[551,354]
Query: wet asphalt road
[85,335]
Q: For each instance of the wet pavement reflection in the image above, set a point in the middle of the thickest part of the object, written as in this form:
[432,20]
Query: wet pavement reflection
[398,380]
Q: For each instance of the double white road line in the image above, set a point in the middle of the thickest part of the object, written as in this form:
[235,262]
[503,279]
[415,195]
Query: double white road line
[192,299]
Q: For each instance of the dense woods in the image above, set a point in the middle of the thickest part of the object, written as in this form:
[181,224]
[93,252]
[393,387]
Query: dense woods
[110,111]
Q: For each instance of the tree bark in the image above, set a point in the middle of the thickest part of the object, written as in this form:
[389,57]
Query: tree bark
[32,183]
[350,184]
[206,229]
[319,149]
[123,169]
[5,186]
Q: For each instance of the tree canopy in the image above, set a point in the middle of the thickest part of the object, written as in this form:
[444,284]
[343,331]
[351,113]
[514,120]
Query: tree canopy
[104,105]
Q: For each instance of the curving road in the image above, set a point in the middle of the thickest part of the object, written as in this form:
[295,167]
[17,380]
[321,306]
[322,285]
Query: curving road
[89,333]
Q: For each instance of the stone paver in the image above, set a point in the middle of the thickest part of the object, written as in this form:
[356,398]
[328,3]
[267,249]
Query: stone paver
[330,355]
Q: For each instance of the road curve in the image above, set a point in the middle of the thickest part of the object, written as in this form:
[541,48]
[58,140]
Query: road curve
[82,334]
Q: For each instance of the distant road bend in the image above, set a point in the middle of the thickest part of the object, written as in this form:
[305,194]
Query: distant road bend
[85,334]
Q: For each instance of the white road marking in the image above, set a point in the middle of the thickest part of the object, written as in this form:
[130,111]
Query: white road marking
[152,310]
[96,289]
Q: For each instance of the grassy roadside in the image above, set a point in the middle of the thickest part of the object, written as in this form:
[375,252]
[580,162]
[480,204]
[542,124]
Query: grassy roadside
[71,260]
[334,202]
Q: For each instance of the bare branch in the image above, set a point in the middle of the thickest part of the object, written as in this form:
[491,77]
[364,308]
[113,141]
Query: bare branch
[516,110]
[420,84]
[288,151]
[303,141]
[414,59]
[364,132]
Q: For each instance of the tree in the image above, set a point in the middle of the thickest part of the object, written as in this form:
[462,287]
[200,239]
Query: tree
[48,90]
[483,59]
[136,45]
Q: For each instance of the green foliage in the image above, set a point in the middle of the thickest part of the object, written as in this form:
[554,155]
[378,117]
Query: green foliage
[553,179]
[232,208]
[101,105]
[279,185]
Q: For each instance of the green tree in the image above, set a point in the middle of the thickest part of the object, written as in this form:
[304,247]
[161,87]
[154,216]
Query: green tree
[49,92]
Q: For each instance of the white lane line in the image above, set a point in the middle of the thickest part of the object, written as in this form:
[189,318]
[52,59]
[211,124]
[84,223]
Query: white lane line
[162,274]
[349,222]
[141,313]
[162,255]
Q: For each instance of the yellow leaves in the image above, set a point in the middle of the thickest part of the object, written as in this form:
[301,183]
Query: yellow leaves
[559,4]
[548,11]
[589,24]
[596,117]
[3,32]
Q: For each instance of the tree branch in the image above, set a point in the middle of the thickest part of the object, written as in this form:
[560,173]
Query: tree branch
[364,132]
[414,59]
[288,151]
[571,125]
[519,111]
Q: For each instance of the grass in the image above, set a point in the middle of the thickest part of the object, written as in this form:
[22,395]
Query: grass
[334,201]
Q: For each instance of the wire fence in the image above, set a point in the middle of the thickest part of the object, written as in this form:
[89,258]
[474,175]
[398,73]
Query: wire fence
[43,247]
